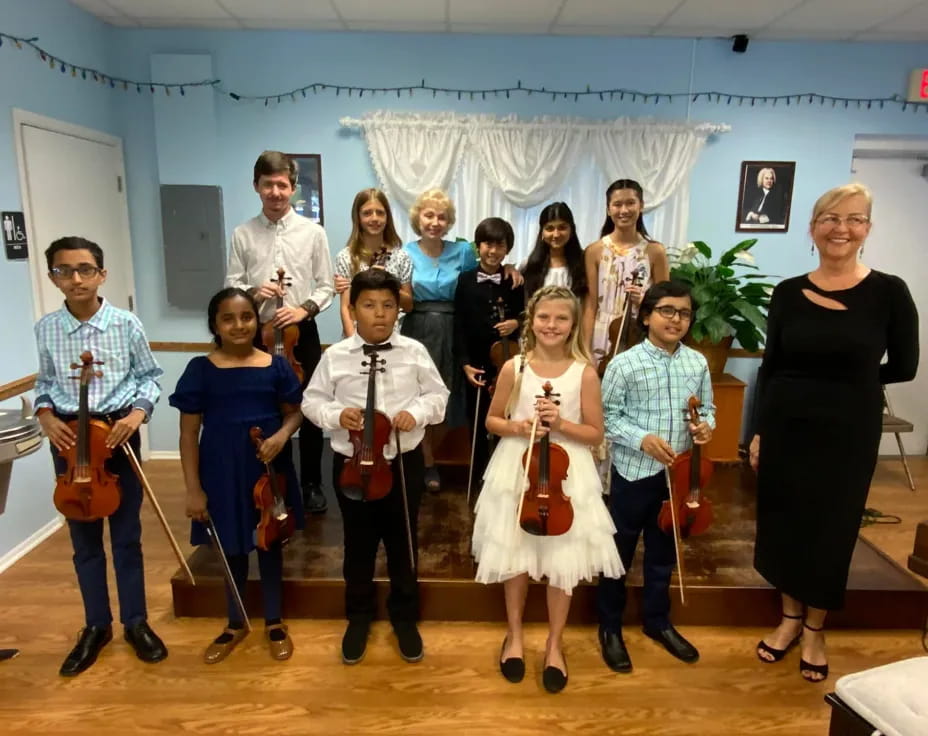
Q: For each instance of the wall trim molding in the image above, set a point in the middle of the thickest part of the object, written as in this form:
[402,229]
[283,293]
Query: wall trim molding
[31,542]
[164,455]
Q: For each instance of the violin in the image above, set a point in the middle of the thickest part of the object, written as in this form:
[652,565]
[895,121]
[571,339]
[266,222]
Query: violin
[367,476]
[688,510]
[504,348]
[380,258]
[544,510]
[279,341]
[276,523]
[87,491]
[619,327]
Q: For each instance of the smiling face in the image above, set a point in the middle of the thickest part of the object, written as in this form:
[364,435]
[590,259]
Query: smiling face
[556,233]
[492,255]
[840,230]
[624,208]
[235,323]
[433,222]
[667,331]
[372,217]
[767,180]
[552,322]
[275,191]
[76,274]
[375,311]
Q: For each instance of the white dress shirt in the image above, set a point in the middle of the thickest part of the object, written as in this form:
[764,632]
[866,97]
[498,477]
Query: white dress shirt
[410,382]
[294,243]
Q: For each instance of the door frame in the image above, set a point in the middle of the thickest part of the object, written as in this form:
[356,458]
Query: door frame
[37,267]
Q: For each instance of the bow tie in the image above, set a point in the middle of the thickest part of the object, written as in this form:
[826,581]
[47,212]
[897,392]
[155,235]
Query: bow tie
[368,349]
[496,278]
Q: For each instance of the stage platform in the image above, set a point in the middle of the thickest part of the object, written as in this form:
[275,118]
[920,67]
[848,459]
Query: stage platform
[722,585]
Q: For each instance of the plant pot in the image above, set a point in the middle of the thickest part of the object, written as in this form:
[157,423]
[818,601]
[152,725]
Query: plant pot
[716,352]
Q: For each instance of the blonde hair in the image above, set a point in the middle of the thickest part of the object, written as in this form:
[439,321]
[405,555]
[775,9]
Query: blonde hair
[438,199]
[576,347]
[760,176]
[830,198]
[359,254]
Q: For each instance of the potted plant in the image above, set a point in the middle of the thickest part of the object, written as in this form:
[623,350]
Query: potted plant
[732,303]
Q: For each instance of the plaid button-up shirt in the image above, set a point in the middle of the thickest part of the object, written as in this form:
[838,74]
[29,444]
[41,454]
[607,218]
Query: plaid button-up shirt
[112,335]
[646,391]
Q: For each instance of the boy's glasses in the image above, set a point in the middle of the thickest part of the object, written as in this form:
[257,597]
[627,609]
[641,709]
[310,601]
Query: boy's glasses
[85,271]
[668,312]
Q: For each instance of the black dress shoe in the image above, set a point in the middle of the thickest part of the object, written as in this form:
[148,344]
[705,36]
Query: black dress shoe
[407,636]
[354,642]
[513,669]
[91,641]
[615,655]
[148,647]
[314,500]
[674,643]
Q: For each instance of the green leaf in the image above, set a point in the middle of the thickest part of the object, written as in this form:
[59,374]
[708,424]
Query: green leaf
[703,248]
[751,313]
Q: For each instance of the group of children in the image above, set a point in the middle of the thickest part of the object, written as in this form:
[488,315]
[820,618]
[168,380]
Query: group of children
[237,386]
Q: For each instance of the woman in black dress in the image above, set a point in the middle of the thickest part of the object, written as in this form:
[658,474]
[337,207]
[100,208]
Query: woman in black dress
[819,425]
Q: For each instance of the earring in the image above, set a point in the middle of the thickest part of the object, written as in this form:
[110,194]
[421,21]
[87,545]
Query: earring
[812,249]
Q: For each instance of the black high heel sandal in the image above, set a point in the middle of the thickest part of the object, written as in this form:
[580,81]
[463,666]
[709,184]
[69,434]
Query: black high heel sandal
[808,667]
[777,654]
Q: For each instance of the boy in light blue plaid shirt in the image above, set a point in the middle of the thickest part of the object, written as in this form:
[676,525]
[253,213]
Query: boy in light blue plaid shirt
[645,394]
[124,396]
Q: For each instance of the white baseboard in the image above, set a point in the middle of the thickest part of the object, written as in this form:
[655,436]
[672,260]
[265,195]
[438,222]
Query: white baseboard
[164,455]
[27,545]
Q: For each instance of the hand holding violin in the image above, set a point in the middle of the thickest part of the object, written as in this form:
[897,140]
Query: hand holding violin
[404,422]
[58,433]
[124,428]
[635,293]
[702,433]
[524,429]
[352,419]
[548,412]
[474,376]
[506,327]
[658,448]
[286,316]
[196,505]
[272,446]
[268,290]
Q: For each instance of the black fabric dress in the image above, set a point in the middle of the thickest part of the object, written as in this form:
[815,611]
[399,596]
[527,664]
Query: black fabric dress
[819,406]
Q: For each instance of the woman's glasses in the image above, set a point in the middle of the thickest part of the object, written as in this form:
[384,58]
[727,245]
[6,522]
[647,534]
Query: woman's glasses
[851,220]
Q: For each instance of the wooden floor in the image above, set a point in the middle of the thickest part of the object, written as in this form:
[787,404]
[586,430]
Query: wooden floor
[455,689]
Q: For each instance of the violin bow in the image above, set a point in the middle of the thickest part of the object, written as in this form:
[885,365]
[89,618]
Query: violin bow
[528,462]
[676,535]
[227,571]
[137,468]
[473,446]
[399,455]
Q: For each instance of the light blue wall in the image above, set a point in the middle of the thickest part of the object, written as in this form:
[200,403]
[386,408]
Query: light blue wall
[820,139]
[28,84]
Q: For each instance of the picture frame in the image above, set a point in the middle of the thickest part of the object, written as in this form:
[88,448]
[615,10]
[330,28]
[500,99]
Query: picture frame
[307,195]
[765,194]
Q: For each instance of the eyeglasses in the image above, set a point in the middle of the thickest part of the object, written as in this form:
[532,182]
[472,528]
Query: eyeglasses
[851,220]
[85,270]
[668,312]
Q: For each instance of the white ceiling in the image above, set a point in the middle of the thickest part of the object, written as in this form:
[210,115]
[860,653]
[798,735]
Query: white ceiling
[844,20]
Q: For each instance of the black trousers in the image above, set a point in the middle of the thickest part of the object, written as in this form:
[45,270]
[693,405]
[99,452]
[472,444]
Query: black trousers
[634,506]
[366,523]
[309,351]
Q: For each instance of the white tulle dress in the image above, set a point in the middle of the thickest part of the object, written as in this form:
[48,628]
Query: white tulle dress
[501,548]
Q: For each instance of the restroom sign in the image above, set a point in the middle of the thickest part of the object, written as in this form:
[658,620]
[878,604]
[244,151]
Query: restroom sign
[14,235]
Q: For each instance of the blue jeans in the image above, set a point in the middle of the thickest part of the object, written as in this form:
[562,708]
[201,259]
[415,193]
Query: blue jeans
[634,506]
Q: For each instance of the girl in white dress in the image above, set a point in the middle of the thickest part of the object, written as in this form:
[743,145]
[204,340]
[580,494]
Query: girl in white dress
[557,258]
[552,351]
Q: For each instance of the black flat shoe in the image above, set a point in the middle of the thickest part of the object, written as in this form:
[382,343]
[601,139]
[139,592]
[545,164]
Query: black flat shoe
[314,500]
[615,655]
[553,679]
[410,643]
[148,647]
[513,669]
[674,643]
[354,642]
[90,643]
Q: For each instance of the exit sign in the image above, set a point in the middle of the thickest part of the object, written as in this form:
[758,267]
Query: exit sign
[918,86]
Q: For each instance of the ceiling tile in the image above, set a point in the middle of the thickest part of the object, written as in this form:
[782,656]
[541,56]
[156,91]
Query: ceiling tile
[489,12]
[397,26]
[803,34]
[172,9]
[615,12]
[395,11]
[746,14]
[847,15]
[501,27]
[893,36]
[293,25]
[218,23]
[281,9]
[123,21]
[603,29]
[717,31]
[97,7]
[913,20]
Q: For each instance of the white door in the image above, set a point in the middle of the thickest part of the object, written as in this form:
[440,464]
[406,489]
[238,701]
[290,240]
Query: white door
[73,184]
[897,245]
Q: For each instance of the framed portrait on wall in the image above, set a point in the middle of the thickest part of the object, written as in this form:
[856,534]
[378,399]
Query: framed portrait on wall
[307,196]
[764,196]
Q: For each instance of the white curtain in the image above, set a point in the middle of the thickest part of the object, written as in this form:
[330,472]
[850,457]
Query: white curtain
[512,168]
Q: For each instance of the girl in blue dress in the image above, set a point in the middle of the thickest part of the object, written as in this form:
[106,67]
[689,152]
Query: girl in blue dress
[236,387]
